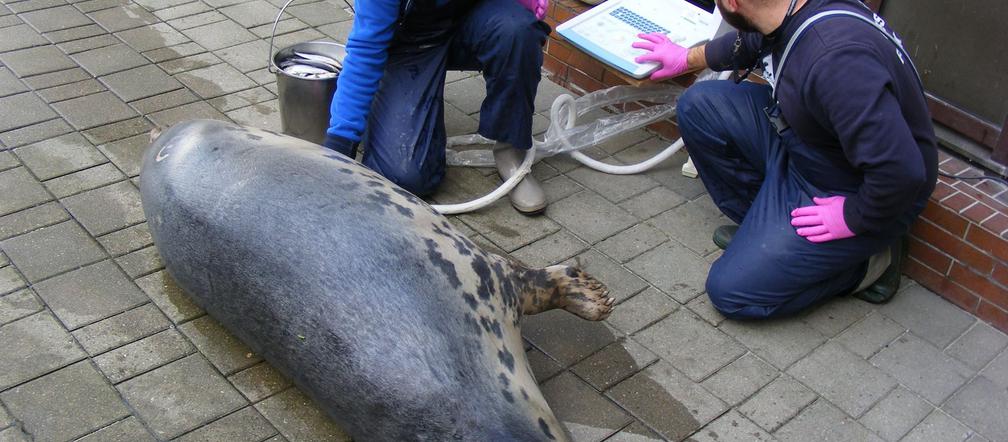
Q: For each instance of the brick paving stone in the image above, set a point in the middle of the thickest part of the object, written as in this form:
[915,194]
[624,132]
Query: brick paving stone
[652,202]
[197,20]
[127,153]
[219,35]
[896,414]
[252,13]
[65,35]
[164,101]
[927,315]
[65,404]
[922,368]
[7,160]
[80,112]
[33,5]
[14,434]
[89,294]
[153,5]
[121,329]
[51,79]
[467,94]
[467,183]
[22,110]
[127,240]
[558,187]
[5,418]
[836,315]
[52,19]
[107,209]
[690,344]
[507,228]
[822,421]
[692,224]
[169,297]
[938,426]
[140,262]
[72,90]
[34,346]
[19,37]
[621,283]
[87,44]
[166,57]
[197,110]
[779,342]
[119,130]
[586,413]
[730,426]
[777,403]
[60,156]
[581,338]
[997,370]
[216,80]
[10,84]
[701,305]
[37,60]
[31,219]
[155,36]
[264,115]
[97,5]
[674,269]
[156,396]
[615,362]
[669,172]
[16,305]
[543,366]
[635,432]
[109,59]
[33,133]
[615,188]
[641,310]
[51,250]
[126,430]
[981,405]
[299,419]
[144,355]
[182,9]
[318,13]
[141,82]
[10,280]
[259,382]
[550,250]
[589,216]
[870,335]
[631,242]
[123,17]
[84,180]
[219,346]
[843,378]
[740,379]
[242,99]
[243,425]
[978,346]
[667,401]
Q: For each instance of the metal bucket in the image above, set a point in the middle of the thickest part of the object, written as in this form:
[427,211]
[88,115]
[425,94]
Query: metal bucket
[304,102]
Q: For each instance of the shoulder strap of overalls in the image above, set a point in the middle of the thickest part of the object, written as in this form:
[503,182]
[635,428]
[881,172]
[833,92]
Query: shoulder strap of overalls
[878,23]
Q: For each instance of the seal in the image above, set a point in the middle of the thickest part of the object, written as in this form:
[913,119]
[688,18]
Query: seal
[395,323]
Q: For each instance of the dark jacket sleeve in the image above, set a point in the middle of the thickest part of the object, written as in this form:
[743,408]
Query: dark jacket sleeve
[367,51]
[850,91]
[722,56]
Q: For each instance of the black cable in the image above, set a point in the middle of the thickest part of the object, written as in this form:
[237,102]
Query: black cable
[981,177]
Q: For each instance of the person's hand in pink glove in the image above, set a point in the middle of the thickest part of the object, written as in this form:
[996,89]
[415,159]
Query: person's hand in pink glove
[671,56]
[538,7]
[823,221]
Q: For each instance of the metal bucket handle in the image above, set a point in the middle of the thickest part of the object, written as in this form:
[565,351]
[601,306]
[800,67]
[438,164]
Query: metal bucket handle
[269,55]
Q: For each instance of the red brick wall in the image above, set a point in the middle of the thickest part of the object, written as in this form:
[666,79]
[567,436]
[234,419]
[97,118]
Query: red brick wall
[959,247]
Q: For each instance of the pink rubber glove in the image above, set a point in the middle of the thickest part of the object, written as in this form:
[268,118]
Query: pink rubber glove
[671,56]
[538,7]
[823,221]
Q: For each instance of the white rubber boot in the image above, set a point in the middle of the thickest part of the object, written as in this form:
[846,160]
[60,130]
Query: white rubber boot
[528,196]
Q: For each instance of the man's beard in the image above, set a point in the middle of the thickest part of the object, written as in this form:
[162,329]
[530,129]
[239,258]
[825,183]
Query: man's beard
[736,20]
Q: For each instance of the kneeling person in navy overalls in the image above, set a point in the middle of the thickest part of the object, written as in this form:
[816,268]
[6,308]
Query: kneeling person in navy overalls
[391,89]
[824,171]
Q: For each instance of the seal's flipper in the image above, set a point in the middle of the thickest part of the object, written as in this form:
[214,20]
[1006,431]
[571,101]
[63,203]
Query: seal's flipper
[569,288]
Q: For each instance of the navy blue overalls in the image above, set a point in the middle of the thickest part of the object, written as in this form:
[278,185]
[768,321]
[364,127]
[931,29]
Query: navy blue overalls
[405,135]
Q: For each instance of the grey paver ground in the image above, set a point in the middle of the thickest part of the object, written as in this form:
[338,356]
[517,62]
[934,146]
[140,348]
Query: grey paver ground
[98,342]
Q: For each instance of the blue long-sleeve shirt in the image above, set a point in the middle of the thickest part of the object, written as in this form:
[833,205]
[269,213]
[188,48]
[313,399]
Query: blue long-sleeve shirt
[856,104]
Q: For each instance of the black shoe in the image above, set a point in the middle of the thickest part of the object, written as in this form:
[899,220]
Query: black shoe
[883,289]
[723,236]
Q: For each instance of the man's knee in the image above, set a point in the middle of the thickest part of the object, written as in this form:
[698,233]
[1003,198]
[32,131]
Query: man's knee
[413,180]
[734,298]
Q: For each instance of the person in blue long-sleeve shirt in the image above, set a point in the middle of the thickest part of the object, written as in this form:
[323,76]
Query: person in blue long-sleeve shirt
[824,170]
[390,93]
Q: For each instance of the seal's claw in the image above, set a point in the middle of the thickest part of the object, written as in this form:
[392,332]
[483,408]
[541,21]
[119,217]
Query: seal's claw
[583,295]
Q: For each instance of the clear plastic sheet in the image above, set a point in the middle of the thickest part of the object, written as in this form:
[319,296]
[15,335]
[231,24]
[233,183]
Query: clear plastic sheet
[564,135]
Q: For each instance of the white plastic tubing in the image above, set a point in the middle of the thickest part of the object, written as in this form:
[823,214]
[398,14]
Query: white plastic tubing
[571,138]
